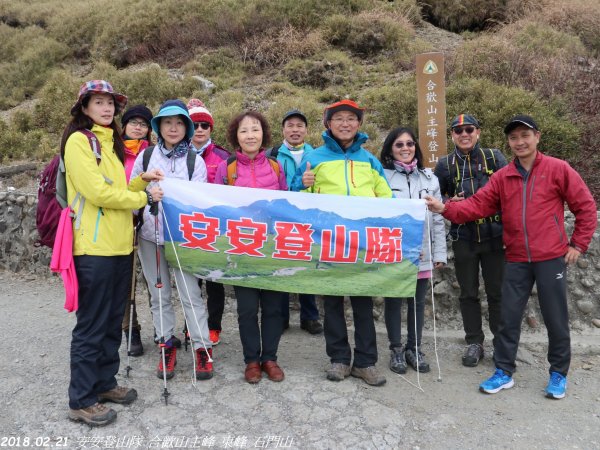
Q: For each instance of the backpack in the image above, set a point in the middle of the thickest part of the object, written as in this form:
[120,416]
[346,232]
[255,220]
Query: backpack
[52,193]
[191,160]
[273,152]
[232,169]
[455,176]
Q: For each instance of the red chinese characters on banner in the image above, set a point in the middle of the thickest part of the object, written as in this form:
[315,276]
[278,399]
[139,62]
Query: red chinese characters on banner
[384,245]
[246,237]
[199,231]
[293,241]
[345,248]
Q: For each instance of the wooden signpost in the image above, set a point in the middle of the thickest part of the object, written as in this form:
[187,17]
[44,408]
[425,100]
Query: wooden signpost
[431,94]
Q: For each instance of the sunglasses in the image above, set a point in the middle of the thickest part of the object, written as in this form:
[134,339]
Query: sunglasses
[459,130]
[409,144]
[203,125]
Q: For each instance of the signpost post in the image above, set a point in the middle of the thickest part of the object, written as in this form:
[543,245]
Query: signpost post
[431,94]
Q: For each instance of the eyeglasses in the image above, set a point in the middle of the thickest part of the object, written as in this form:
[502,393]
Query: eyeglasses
[203,125]
[459,130]
[137,123]
[349,120]
[409,144]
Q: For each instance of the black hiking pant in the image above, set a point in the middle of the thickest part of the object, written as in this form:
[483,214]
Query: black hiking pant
[551,280]
[468,256]
[104,284]
[260,341]
[215,303]
[336,333]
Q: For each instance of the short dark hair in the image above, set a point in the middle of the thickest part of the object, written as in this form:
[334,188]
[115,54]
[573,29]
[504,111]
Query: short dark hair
[387,156]
[233,126]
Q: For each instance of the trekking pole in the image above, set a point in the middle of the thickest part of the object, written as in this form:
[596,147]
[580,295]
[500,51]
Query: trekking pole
[186,336]
[131,304]
[159,285]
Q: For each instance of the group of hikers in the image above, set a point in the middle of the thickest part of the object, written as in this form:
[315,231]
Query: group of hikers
[506,218]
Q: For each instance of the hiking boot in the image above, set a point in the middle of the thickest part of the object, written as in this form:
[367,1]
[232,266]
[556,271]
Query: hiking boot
[338,372]
[204,367]
[497,382]
[118,394]
[411,358]
[472,355]
[370,375]
[96,415]
[557,386]
[175,341]
[397,360]
[136,348]
[170,362]
[214,336]
[312,326]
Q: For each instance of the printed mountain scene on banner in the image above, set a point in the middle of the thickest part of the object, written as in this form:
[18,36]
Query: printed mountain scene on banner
[294,242]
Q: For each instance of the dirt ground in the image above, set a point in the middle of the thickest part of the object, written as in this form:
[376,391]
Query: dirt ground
[305,411]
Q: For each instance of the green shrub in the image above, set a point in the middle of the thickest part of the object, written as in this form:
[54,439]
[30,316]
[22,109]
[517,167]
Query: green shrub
[393,105]
[368,33]
[277,46]
[222,66]
[74,24]
[458,15]
[14,145]
[493,105]
[524,54]
[27,57]
[309,13]
[329,68]
[52,111]
[22,121]
[578,17]
[541,41]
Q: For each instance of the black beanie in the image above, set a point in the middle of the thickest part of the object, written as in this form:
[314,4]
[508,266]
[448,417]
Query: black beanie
[136,111]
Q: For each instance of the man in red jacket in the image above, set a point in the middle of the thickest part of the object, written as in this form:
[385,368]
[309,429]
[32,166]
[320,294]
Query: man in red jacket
[530,192]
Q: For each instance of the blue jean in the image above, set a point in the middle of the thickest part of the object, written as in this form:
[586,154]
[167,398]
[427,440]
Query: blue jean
[308,307]
[393,317]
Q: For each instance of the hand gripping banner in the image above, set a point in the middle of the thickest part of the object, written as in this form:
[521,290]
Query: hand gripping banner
[294,242]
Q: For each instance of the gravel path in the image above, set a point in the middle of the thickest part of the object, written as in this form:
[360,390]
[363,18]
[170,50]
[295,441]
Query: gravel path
[305,411]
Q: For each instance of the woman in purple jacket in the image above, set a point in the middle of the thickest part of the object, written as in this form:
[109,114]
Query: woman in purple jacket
[249,133]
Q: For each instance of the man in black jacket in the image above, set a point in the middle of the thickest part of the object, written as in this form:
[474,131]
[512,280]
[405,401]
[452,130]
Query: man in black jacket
[462,173]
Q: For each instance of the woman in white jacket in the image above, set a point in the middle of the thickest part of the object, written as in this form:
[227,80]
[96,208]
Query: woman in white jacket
[403,165]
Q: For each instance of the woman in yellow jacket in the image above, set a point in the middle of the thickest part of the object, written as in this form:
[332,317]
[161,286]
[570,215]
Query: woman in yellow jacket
[102,201]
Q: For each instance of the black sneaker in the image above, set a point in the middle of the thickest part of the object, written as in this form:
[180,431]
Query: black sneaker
[136,349]
[312,326]
[472,355]
[397,360]
[411,358]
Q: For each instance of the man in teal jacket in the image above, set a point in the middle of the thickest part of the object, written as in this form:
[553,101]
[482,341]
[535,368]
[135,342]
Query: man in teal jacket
[290,154]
